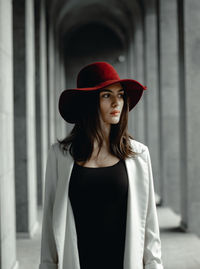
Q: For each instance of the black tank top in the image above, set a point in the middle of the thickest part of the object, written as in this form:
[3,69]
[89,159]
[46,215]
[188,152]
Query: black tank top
[99,202]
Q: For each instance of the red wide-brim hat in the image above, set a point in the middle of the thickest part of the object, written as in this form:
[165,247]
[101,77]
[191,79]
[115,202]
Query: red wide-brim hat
[94,77]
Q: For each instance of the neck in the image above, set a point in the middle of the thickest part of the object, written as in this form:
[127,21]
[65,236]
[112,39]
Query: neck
[105,130]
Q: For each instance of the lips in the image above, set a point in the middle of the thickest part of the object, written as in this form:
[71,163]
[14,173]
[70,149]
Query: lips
[115,112]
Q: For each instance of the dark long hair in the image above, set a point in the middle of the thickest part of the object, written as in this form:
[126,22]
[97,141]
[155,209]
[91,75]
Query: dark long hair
[81,138]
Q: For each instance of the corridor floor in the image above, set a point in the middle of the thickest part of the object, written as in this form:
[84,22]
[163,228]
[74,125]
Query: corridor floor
[179,250]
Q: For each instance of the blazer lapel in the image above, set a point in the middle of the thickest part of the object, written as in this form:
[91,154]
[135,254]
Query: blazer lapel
[65,165]
[136,211]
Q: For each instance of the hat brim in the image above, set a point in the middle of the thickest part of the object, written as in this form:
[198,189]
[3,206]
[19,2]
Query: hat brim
[68,98]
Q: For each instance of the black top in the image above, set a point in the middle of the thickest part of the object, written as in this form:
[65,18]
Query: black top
[99,202]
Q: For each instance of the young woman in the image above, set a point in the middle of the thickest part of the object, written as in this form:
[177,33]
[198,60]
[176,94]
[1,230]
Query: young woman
[99,208]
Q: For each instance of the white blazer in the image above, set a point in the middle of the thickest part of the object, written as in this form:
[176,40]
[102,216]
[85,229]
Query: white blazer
[59,239]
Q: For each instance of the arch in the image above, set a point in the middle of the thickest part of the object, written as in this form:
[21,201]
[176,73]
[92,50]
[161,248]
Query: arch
[72,17]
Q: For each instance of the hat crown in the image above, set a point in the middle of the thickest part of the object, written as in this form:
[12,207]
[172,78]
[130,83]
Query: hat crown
[96,73]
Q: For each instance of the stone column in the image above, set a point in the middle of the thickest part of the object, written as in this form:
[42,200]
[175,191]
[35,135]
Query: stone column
[24,111]
[57,89]
[7,173]
[131,71]
[169,103]
[152,93]
[138,112]
[190,97]
[131,66]
[61,86]
[43,89]
[51,78]
[41,95]
[38,107]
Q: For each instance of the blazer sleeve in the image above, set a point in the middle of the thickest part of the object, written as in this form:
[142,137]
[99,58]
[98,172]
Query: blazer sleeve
[48,254]
[152,243]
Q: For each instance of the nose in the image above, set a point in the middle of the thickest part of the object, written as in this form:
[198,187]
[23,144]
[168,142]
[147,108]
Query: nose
[115,101]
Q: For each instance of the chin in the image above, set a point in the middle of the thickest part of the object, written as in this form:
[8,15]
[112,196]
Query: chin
[114,122]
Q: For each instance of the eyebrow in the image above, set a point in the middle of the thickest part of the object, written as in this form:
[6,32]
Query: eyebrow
[107,90]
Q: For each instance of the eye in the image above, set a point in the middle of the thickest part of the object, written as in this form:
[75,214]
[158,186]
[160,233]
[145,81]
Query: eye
[121,95]
[106,95]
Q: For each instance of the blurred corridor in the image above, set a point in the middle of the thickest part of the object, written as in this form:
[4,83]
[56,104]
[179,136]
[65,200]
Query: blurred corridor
[43,44]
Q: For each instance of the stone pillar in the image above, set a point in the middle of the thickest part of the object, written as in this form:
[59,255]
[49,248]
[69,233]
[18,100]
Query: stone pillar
[41,95]
[138,112]
[38,107]
[131,67]
[51,78]
[131,117]
[24,111]
[190,97]
[169,103]
[152,93]
[61,85]
[131,71]
[7,193]
[57,89]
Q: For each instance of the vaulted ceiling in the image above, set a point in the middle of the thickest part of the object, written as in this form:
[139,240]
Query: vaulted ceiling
[69,16]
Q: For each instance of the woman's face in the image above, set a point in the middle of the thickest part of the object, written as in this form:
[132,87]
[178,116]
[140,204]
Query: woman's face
[111,103]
